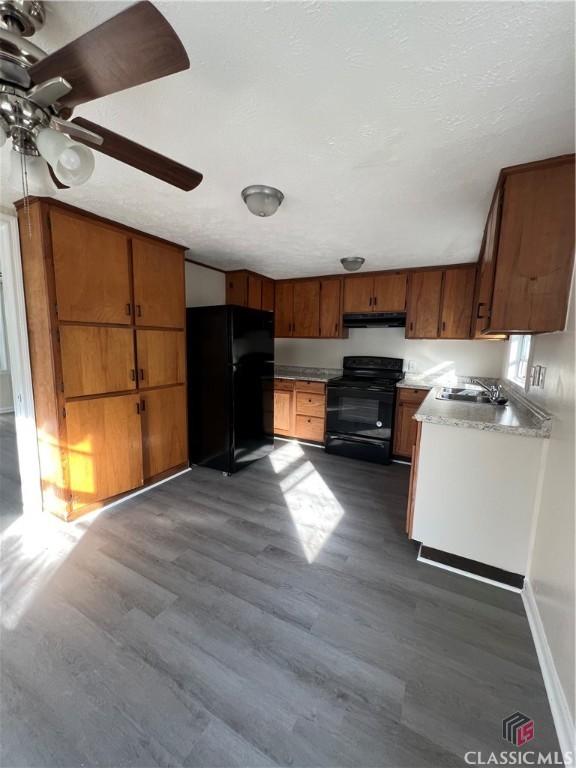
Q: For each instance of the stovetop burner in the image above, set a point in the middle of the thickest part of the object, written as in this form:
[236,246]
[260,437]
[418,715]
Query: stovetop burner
[370,371]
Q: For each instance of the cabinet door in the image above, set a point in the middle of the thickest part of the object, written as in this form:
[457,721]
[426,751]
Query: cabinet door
[158,284]
[413,480]
[423,311]
[284,309]
[164,430]
[405,429]
[390,292]
[268,295]
[535,251]
[161,358]
[331,308]
[358,294]
[96,359]
[92,271]
[283,412]
[237,289]
[104,448]
[306,322]
[457,301]
[254,292]
[487,268]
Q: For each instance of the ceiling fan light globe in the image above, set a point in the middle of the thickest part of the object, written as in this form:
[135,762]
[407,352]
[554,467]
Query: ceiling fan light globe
[70,159]
[72,163]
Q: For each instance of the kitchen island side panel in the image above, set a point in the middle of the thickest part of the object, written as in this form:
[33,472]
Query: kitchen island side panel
[476,494]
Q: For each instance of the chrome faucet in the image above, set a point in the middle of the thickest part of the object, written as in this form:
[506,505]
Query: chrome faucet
[494,390]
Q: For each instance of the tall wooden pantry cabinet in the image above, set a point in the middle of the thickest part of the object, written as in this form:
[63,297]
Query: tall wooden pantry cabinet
[106,325]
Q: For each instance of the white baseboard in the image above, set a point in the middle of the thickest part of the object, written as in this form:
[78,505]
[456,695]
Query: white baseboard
[556,695]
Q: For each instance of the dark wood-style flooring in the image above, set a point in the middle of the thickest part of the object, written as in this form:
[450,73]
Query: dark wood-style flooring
[10,491]
[277,617]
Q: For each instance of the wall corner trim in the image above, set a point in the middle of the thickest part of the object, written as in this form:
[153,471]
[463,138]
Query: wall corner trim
[565,728]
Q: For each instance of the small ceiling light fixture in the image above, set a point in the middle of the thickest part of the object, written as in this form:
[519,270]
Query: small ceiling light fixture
[262,200]
[352,263]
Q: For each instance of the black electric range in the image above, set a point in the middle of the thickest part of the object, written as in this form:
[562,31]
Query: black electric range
[360,408]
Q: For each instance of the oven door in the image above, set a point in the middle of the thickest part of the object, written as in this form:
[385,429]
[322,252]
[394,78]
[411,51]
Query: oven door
[360,412]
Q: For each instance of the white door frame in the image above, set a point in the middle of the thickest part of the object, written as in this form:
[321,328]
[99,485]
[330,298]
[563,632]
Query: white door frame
[20,370]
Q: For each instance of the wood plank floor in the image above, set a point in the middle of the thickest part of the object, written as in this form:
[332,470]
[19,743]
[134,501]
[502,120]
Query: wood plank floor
[277,617]
[10,492]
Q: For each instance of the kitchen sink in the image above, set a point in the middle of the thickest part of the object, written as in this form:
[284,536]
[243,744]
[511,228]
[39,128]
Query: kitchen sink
[464,394]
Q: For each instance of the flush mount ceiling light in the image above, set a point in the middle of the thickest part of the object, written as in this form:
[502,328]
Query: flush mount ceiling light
[352,263]
[262,200]
[39,91]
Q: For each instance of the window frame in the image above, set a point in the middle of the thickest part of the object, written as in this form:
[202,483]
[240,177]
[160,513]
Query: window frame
[519,360]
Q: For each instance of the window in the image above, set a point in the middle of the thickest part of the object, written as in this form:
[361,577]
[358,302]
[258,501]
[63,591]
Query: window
[519,359]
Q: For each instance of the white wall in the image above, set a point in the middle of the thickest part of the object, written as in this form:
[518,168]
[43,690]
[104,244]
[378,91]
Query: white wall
[204,287]
[467,358]
[551,570]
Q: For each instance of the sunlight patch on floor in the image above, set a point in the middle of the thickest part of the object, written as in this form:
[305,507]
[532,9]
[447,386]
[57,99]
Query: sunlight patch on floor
[314,509]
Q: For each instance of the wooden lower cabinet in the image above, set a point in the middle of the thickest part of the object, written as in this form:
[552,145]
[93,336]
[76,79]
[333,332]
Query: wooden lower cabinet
[104,448]
[164,430]
[413,479]
[405,427]
[300,409]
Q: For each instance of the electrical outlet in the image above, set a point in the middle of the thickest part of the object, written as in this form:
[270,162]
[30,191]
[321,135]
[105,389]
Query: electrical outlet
[410,366]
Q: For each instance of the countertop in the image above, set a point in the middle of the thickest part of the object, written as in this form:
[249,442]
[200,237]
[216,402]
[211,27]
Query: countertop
[302,373]
[517,417]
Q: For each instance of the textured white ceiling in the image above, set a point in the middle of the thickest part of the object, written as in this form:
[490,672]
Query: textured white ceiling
[384,124]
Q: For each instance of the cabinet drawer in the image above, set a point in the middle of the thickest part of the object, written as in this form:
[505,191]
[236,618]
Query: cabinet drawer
[285,384]
[310,404]
[310,428]
[311,386]
[411,395]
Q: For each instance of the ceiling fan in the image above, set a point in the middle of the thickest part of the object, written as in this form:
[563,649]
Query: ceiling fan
[39,91]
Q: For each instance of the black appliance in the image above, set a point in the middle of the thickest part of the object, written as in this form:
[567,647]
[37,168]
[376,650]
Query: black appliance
[230,386]
[360,408]
[375,320]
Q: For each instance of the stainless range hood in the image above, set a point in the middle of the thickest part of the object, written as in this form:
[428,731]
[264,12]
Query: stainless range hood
[375,320]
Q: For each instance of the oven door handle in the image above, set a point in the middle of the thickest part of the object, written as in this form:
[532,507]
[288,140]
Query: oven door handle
[355,439]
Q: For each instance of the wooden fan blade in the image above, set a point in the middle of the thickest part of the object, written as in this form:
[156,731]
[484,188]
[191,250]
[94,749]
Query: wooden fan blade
[140,157]
[133,47]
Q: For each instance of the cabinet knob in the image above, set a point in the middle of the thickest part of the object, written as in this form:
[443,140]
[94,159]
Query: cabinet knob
[128,309]
[142,374]
[139,310]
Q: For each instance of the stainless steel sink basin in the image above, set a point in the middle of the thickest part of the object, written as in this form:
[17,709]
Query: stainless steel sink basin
[464,394]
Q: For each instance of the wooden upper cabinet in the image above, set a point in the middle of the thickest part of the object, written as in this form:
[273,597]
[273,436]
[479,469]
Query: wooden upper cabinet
[97,359]
[487,268]
[268,294]
[331,308]
[457,302]
[158,284]
[237,288]
[254,292]
[306,320]
[358,294]
[284,309]
[164,429]
[104,448]
[390,292]
[535,249]
[91,270]
[161,358]
[423,306]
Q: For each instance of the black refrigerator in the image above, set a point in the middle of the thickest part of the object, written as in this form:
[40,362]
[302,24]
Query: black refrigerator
[230,386]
